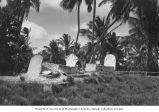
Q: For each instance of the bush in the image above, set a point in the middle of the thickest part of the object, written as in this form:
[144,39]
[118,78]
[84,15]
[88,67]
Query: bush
[19,100]
[70,80]
[119,78]
[57,89]
[22,78]
[100,89]
[86,94]
[62,101]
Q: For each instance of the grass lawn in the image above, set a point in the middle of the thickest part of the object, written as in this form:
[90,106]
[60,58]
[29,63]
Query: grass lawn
[114,90]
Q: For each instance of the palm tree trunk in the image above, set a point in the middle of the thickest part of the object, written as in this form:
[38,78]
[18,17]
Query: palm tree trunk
[94,14]
[21,22]
[66,51]
[149,57]
[78,19]
[102,52]
[102,57]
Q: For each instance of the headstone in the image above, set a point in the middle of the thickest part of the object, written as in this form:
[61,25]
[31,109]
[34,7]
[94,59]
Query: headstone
[90,67]
[71,60]
[110,61]
[34,68]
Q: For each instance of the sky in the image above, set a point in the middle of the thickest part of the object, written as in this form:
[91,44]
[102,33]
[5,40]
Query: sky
[52,22]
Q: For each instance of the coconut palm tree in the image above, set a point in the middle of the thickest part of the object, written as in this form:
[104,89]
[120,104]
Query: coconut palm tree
[14,45]
[70,5]
[22,52]
[53,50]
[66,42]
[85,52]
[94,16]
[109,45]
[55,53]
[99,26]
[21,8]
[114,46]
[146,11]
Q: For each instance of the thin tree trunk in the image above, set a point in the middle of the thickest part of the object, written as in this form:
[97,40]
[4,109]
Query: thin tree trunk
[149,57]
[102,52]
[102,57]
[94,15]
[21,18]
[66,51]
[78,18]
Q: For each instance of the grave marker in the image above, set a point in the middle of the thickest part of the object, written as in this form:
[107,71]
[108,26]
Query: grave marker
[34,68]
[71,60]
[110,61]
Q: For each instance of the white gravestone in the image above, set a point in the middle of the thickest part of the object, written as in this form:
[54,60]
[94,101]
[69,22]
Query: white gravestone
[71,60]
[110,61]
[91,67]
[34,68]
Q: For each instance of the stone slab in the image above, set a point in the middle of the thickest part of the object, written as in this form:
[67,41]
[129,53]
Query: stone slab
[96,68]
[34,68]
[60,68]
[110,61]
[91,67]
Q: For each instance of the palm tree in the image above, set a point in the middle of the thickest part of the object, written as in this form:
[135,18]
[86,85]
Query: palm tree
[109,45]
[146,11]
[53,50]
[21,8]
[55,53]
[70,5]
[23,52]
[94,16]
[99,26]
[13,44]
[66,42]
[114,46]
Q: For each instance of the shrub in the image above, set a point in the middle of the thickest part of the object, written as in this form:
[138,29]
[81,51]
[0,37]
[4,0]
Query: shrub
[107,79]
[57,89]
[62,101]
[86,94]
[70,80]
[19,100]
[119,78]
[90,80]
[100,89]
[22,78]
[23,86]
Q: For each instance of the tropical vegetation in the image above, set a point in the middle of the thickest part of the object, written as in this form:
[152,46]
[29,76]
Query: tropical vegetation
[15,49]
[136,51]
